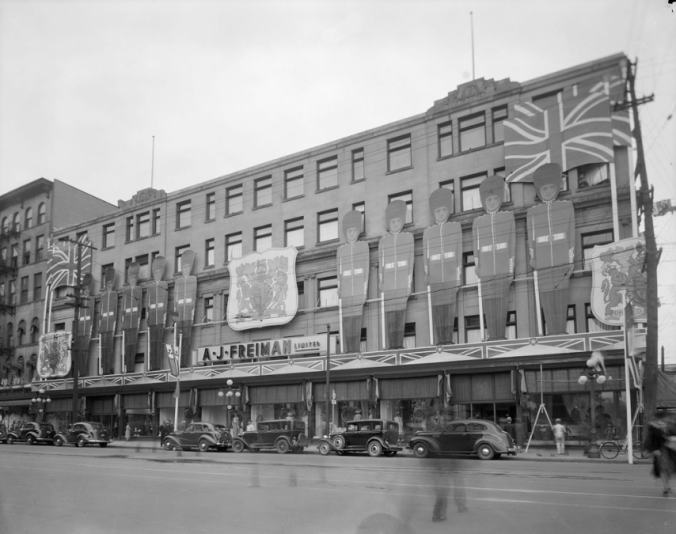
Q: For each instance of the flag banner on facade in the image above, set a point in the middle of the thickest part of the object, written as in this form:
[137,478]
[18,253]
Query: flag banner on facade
[575,131]
[448,392]
[308,395]
[62,263]
[54,357]
[177,390]
[617,273]
[173,355]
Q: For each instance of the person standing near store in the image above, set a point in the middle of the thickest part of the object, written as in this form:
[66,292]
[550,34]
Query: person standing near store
[660,441]
[560,432]
[127,433]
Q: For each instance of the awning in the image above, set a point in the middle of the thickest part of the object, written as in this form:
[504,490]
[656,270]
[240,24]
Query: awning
[17,402]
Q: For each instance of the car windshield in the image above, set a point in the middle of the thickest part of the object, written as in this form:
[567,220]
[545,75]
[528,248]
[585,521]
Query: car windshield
[97,426]
[46,426]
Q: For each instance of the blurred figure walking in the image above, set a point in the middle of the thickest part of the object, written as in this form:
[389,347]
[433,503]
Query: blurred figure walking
[660,441]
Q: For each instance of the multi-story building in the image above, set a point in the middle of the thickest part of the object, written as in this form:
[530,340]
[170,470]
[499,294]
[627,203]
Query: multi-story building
[299,201]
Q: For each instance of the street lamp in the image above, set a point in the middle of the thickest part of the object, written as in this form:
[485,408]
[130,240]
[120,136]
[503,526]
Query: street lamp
[40,401]
[594,374]
[231,394]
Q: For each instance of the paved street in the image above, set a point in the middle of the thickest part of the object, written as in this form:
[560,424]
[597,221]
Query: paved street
[124,489]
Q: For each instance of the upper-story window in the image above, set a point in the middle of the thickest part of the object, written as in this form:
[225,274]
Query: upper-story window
[358,165]
[27,251]
[407,197]
[590,240]
[183,214]
[327,225]
[327,173]
[445,139]
[468,263]
[361,208]
[130,228]
[293,183]
[471,199]
[507,194]
[499,115]
[211,207]
[39,247]
[233,200]
[233,246]
[263,238]
[42,213]
[108,235]
[177,257]
[29,218]
[208,309]
[210,252]
[592,174]
[399,153]
[472,131]
[16,222]
[327,288]
[5,225]
[294,233]
[263,192]
[15,255]
[37,286]
[156,221]
[450,185]
[143,225]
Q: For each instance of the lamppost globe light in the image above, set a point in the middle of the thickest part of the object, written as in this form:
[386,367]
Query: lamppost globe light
[238,394]
[220,393]
[600,379]
[49,399]
[582,380]
[41,391]
[229,382]
[229,393]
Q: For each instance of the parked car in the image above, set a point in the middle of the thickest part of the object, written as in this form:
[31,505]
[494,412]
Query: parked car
[377,436]
[84,433]
[203,436]
[483,438]
[32,433]
[3,433]
[283,435]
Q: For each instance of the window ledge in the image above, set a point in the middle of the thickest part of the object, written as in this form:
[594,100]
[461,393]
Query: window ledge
[399,170]
[263,206]
[227,215]
[320,243]
[293,198]
[183,228]
[357,181]
[206,221]
[207,267]
[326,189]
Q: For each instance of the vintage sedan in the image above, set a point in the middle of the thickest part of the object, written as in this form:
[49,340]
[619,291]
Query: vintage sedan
[282,435]
[471,437]
[32,433]
[203,436]
[84,433]
[376,436]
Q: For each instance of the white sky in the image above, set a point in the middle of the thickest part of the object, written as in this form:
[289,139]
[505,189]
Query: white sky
[225,85]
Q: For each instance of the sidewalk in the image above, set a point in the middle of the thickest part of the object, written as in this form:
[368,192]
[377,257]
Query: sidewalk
[534,454]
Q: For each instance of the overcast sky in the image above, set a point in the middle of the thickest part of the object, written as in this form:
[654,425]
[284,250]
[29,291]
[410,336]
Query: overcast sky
[225,85]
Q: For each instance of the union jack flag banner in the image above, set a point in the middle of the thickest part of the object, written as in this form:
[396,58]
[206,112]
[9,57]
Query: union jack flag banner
[62,264]
[575,131]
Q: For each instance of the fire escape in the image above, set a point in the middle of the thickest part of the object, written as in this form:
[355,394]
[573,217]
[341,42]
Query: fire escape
[8,271]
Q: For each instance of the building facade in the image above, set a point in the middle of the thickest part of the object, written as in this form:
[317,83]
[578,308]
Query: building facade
[299,201]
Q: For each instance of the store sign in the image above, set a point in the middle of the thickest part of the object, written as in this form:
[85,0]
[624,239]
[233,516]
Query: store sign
[275,348]
[263,289]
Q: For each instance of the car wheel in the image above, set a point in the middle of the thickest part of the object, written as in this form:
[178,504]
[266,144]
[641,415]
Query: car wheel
[237,446]
[420,450]
[324,448]
[375,449]
[58,441]
[282,446]
[10,440]
[103,445]
[338,442]
[485,452]
[81,442]
[204,445]
[30,440]
[168,445]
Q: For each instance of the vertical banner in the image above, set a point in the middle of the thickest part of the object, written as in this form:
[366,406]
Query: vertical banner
[54,359]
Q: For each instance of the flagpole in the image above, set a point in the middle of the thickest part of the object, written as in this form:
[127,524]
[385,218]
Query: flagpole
[627,397]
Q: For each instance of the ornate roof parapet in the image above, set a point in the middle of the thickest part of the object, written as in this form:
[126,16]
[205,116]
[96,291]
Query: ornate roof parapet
[471,92]
[143,196]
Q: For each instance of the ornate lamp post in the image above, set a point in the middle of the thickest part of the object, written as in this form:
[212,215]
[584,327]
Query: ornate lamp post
[40,402]
[232,393]
[593,375]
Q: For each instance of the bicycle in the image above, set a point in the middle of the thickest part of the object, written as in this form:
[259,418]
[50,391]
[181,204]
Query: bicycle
[612,448]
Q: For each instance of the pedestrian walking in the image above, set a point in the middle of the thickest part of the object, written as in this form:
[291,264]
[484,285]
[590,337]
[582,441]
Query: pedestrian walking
[560,432]
[127,432]
[660,441]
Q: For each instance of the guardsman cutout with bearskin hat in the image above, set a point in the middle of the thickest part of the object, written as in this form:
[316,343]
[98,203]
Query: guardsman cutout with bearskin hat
[107,322]
[158,294]
[85,323]
[551,241]
[442,253]
[185,292]
[353,277]
[395,274]
[131,316]
[494,243]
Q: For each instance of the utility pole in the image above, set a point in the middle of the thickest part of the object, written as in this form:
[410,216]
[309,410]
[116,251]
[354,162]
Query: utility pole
[652,254]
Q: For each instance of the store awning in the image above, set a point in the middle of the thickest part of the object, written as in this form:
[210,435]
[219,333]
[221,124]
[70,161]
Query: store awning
[16,402]
[362,363]
[536,349]
[441,357]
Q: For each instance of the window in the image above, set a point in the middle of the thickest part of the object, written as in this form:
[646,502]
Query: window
[571,326]
[300,285]
[263,238]
[409,336]
[593,324]
[327,173]
[507,196]
[293,183]
[327,225]
[593,174]
[59,327]
[547,100]
[449,184]
[10,335]
[361,208]
[104,268]
[472,131]
[472,329]
[29,218]
[21,331]
[42,213]
[565,186]
[445,139]
[471,198]
[129,236]
[82,235]
[263,192]
[142,225]
[328,291]
[363,341]
[39,247]
[233,200]
[590,240]
[294,233]
[209,252]
[37,286]
[16,222]
[108,235]
[183,214]
[177,257]
[510,331]
[399,153]
[211,207]
[499,115]
[468,268]
[5,225]
[12,292]
[27,251]
[407,197]
[127,264]
[35,331]
[144,267]
[24,290]
[233,246]
[2,292]
[208,309]
[15,255]
[156,221]
[358,165]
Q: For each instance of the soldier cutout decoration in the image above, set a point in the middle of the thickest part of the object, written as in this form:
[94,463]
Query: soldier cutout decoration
[185,292]
[107,322]
[442,254]
[395,274]
[131,316]
[353,276]
[551,241]
[85,319]
[158,294]
[494,243]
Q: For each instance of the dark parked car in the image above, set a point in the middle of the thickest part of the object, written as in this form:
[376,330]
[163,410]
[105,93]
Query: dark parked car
[84,433]
[377,436]
[32,433]
[483,438]
[203,436]
[3,433]
[283,435]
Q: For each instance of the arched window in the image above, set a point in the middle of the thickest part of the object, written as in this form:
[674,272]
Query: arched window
[42,213]
[5,225]
[16,222]
[35,330]
[29,218]
[21,332]
[10,335]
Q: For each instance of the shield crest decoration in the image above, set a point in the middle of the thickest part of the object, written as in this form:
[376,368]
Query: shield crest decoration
[617,271]
[263,289]
[54,359]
